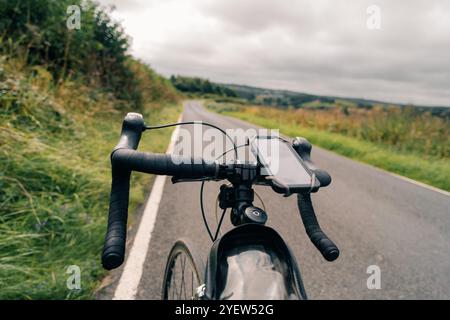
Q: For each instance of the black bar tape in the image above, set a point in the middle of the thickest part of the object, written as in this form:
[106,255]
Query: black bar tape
[164,164]
[123,162]
[115,240]
[114,248]
[320,240]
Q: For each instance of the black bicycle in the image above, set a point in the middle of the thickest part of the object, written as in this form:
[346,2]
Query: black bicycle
[251,261]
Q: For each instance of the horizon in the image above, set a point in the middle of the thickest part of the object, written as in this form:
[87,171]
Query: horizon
[313,94]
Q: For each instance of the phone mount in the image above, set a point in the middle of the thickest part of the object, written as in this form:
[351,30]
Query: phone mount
[300,148]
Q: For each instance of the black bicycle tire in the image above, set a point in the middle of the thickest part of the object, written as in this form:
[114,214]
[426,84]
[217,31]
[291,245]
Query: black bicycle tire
[191,252]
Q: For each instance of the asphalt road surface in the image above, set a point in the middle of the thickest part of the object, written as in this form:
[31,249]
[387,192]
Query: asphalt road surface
[374,217]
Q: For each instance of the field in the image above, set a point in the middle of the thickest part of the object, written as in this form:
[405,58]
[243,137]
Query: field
[401,140]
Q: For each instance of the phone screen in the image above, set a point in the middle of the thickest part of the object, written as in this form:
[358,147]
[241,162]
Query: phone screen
[281,161]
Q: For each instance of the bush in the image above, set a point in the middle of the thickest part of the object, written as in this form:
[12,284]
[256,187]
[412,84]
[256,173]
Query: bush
[63,95]
[36,31]
[55,179]
[200,86]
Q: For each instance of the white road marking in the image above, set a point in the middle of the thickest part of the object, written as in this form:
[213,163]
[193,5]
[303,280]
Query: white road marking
[421,184]
[132,272]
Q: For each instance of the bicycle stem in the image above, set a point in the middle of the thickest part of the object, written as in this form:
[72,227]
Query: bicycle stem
[240,195]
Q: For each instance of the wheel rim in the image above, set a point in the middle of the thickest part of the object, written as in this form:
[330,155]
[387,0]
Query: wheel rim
[183,280]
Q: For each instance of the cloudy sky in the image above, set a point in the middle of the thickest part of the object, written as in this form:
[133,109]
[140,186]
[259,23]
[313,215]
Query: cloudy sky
[316,46]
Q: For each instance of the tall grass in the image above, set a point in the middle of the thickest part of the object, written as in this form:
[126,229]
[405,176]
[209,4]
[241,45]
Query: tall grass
[63,96]
[404,141]
[400,128]
[55,176]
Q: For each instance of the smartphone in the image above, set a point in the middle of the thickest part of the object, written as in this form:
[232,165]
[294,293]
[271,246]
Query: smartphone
[282,166]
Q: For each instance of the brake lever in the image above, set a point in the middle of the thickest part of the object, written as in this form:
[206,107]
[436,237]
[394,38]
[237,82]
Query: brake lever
[303,148]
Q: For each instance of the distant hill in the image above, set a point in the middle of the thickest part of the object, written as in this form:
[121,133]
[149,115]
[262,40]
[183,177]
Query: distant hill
[286,98]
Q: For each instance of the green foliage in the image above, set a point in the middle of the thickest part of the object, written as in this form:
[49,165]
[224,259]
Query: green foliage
[55,180]
[200,86]
[151,85]
[63,95]
[36,31]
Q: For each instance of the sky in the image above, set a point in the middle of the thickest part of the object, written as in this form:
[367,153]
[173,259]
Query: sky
[390,50]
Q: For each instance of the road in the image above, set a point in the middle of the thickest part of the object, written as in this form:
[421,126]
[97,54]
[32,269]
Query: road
[374,217]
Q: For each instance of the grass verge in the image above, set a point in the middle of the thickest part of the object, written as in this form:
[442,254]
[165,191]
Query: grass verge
[55,180]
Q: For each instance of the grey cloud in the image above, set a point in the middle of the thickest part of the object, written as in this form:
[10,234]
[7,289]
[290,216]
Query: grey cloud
[314,46]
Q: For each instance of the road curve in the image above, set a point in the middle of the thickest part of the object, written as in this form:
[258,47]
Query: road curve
[374,217]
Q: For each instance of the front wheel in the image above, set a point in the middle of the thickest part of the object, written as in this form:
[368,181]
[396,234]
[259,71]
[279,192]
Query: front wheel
[184,272]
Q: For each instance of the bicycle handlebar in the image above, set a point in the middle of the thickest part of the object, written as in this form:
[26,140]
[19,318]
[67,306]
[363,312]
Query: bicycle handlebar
[320,240]
[164,164]
[125,159]
[114,248]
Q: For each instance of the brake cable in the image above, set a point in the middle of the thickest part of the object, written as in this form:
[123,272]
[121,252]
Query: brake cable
[196,122]
[203,212]
[203,181]
[220,224]
[235,147]
[201,199]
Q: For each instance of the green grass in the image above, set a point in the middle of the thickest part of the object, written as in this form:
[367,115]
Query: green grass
[432,171]
[55,180]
